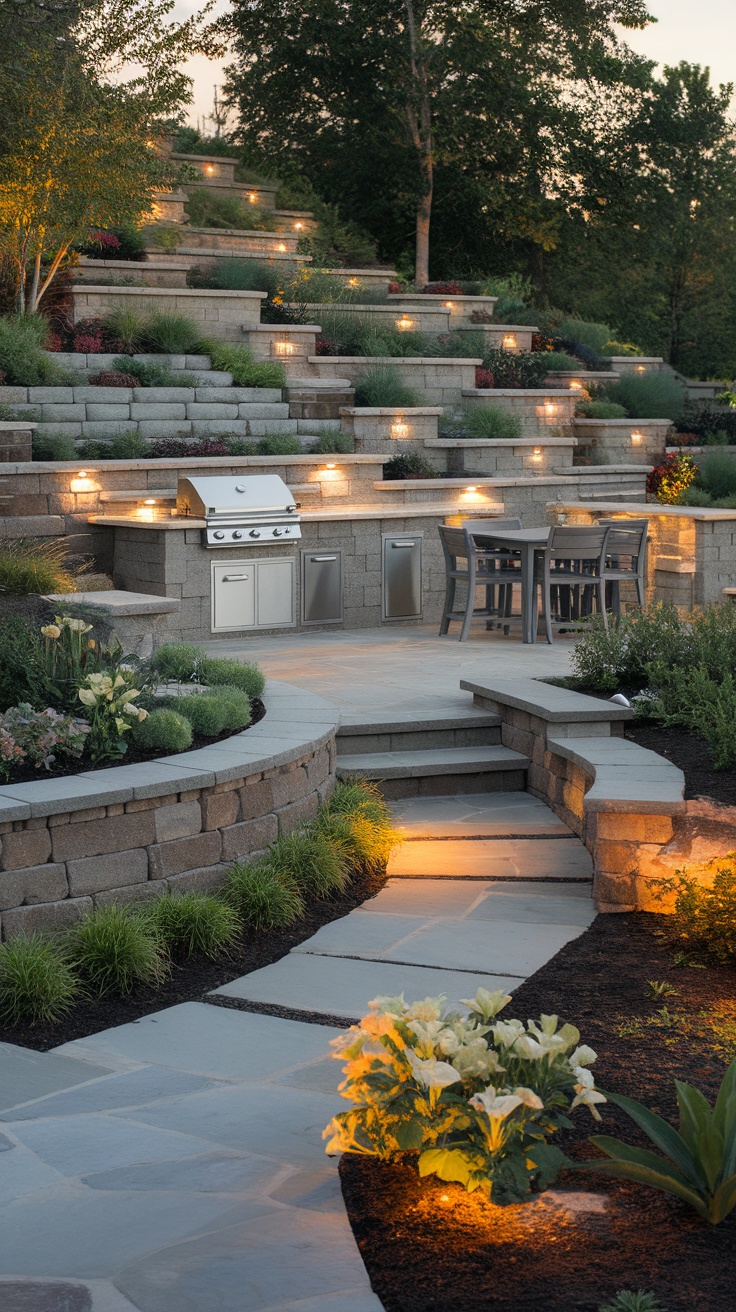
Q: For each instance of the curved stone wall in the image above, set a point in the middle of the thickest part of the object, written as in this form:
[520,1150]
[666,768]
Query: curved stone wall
[135,831]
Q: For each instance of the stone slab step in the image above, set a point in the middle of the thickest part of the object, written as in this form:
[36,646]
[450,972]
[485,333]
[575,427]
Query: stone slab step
[484,815]
[453,730]
[492,858]
[442,770]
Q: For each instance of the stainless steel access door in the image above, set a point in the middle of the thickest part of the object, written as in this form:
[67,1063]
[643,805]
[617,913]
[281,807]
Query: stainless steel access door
[321,587]
[402,576]
[253,594]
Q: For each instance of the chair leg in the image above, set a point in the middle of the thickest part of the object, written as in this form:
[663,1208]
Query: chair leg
[547,602]
[470,604]
[450,587]
[602,602]
[640,592]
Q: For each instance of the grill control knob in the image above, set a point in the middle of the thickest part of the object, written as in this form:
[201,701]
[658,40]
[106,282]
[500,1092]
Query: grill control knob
[277,532]
[218,533]
[255,533]
[237,534]
[239,487]
[287,530]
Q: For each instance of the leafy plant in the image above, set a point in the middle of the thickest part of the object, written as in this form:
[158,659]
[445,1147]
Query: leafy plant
[703,921]
[360,819]
[596,336]
[37,984]
[263,898]
[659,988]
[488,422]
[329,443]
[37,736]
[411,465]
[316,862]
[217,670]
[476,1098]
[628,1301]
[606,661]
[599,410]
[698,1163]
[114,949]
[717,474]
[186,923]
[234,274]
[53,446]
[516,369]
[126,326]
[179,661]
[20,656]
[649,396]
[148,374]
[382,385]
[561,362]
[668,480]
[280,444]
[22,359]
[164,730]
[109,699]
[207,209]
[693,697]
[246,372]
[34,566]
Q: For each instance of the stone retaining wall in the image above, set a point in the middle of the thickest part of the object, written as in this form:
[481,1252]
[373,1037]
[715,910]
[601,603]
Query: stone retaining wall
[138,831]
[440,381]
[217,314]
[541,410]
[640,441]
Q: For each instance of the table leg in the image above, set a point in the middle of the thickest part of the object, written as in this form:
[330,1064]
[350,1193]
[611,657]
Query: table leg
[528,595]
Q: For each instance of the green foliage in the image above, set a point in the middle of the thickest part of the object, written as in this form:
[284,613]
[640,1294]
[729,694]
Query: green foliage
[333,443]
[516,369]
[20,654]
[33,565]
[127,446]
[513,292]
[165,730]
[246,372]
[245,675]
[628,1301]
[382,386]
[151,375]
[411,465]
[621,657]
[235,274]
[171,334]
[694,698]
[185,923]
[596,336]
[211,713]
[696,1162]
[316,862]
[599,410]
[490,422]
[717,474]
[209,209]
[53,446]
[561,362]
[649,396]
[360,819]
[127,326]
[180,662]
[263,898]
[37,985]
[280,444]
[703,922]
[22,361]
[114,949]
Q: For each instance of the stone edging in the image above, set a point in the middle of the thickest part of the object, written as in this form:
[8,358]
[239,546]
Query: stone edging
[135,831]
[625,802]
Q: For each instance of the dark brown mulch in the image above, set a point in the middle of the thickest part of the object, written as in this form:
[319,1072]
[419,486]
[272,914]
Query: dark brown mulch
[692,755]
[67,766]
[429,1247]
[191,980]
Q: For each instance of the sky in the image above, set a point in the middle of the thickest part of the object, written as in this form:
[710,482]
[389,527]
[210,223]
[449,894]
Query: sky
[702,33]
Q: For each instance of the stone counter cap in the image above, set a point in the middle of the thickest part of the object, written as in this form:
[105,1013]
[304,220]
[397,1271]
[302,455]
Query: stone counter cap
[546,701]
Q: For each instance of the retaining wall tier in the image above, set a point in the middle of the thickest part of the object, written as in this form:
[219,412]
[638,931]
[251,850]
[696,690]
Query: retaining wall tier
[460,307]
[637,364]
[132,832]
[16,439]
[419,318]
[542,411]
[502,337]
[390,431]
[439,381]
[153,273]
[218,314]
[640,441]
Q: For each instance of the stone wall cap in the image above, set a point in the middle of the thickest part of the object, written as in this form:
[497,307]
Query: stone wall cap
[547,701]
[165,291]
[624,423]
[370,411]
[24,425]
[489,443]
[553,393]
[646,508]
[119,602]
[626,777]
[393,359]
[284,329]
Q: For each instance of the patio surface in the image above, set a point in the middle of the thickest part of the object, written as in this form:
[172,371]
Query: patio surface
[176,1164]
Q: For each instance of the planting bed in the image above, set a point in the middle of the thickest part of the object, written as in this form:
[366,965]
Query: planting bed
[430,1247]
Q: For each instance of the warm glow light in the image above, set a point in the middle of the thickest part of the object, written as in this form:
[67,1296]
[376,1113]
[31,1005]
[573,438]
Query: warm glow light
[252,197]
[209,168]
[637,438]
[330,466]
[400,429]
[145,512]
[83,483]
[281,246]
[298,226]
[353,282]
[509,342]
[471,488]
[283,348]
[537,454]
[550,408]
[575,386]
[641,368]
[82,473]
[150,501]
[404,323]
[449,305]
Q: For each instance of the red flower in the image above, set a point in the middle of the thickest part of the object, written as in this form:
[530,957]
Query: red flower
[483,377]
[394,287]
[324,346]
[442,289]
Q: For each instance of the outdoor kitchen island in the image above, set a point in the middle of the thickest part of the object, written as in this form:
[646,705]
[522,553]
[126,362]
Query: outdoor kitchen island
[278,567]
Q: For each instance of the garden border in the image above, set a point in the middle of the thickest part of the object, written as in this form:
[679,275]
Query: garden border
[136,831]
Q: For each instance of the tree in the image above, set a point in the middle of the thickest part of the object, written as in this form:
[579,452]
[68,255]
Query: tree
[413,81]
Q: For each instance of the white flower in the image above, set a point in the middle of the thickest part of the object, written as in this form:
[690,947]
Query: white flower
[582,1056]
[528,1047]
[475,1060]
[586,1094]
[142,715]
[431,1073]
[448,1043]
[87,696]
[428,1009]
[497,1106]
[487,1004]
[427,1031]
[529,1098]
[76,626]
[506,1032]
[396,1006]
[130,709]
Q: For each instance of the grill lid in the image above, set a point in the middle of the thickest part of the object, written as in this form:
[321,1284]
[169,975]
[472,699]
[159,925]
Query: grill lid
[247,497]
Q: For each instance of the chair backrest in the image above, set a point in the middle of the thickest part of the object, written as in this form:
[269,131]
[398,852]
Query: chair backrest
[455,543]
[577,542]
[478,525]
[627,537]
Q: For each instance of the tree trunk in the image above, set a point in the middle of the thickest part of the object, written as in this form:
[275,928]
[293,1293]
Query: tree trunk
[419,118]
[33,299]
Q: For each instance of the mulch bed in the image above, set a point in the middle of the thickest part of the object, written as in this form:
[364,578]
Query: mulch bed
[692,755]
[67,766]
[191,980]
[430,1247]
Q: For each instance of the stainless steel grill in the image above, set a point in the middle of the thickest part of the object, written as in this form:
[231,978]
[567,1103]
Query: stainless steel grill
[248,510]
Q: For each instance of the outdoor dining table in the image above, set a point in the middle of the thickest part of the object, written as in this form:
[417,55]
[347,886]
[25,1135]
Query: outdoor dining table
[526,543]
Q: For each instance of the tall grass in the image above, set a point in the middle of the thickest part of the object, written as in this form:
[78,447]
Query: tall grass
[37,984]
[185,923]
[649,396]
[358,817]
[382,385]
[114,949]
[28,565]
[263,898]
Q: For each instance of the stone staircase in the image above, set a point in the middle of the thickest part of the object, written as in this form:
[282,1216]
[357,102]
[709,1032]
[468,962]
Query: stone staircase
[449,753]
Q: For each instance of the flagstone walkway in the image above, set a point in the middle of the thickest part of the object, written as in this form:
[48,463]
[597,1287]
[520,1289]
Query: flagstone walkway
[176,1164]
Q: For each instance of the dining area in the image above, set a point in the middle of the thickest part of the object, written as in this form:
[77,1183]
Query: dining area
[508,575]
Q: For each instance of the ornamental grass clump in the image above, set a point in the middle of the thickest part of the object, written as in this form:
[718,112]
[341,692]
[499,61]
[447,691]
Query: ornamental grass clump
[476,1099]
[115,949]
[178,662]
[358,817]
[317,863]
[37,983]
[263,897]
[185,923]
[29,566]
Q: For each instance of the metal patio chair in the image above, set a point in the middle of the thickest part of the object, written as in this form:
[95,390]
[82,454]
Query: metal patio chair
[489,568]
[626,558]
[574,560]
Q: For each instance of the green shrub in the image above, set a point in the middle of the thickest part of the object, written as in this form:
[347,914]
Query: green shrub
[411,465]
[280,444]
[315,861]
[330,443]
[492,423]
[113,948]
[238,710]
[264,900]
[703,922]
[218,670]
[152,375]
[9,413]
[127,326]
[717,474]
[53,446]
[165,730]
[517,369]
[22,361]
[628,1301]
[208,209]
[171,334]
[246,372]
[358,816]
[649,396]
[594,335]
[179,662]
[20,654]
[238,275]
[693,698]
[561,362]
[37,984]
[211,713]
[185,923]
[599,410]
[382,385]
[32,565]
[513,293]
[621,657]
[127,446]
[694,496]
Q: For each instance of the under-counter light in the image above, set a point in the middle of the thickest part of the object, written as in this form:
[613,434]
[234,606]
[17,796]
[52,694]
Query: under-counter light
[404,324]
[82,482]
[449,305]
[471,488]
[252,197]
[509,342]
[298,227]
[209,168]
[637,438]
[150,501]
[550,408]
[281,246]
[641,368]
[537,454]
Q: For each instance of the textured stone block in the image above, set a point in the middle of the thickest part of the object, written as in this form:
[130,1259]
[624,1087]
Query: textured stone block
[177,821]
[47,917]
[251,836]
[200,410]
[44,883]
[184,854]
[618,826]
[298,813]
[26,847]
[257,798]
[113,834]
[290,787]
[152,411]
[104,412]
[220,809]
[95,874]
[203,880]
[131,893]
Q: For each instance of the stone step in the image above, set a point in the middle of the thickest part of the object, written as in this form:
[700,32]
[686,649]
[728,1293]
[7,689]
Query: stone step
[439,771]
[456,731]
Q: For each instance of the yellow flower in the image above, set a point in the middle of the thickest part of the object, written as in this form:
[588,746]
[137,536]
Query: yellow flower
[87,696]
[51,631]
[91,644]
[142,715]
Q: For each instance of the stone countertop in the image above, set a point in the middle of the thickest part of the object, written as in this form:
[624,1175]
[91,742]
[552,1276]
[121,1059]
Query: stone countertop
[646,509]
[117,601]
[411,510]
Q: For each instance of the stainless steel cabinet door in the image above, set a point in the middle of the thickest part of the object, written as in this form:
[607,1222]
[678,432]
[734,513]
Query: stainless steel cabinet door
[275,593]
[321,587]
[253,594]
[402,576]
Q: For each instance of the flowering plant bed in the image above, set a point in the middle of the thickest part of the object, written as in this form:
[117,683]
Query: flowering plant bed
[430,1245]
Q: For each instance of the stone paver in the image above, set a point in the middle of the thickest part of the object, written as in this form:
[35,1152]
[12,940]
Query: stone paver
[491,815]
[560,858]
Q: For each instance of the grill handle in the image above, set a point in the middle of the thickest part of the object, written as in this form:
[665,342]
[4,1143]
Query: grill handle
[321,558]
[235,578]
[396,545]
